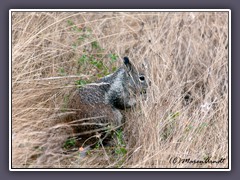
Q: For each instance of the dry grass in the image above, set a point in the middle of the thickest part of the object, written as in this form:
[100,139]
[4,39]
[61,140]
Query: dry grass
[185,115]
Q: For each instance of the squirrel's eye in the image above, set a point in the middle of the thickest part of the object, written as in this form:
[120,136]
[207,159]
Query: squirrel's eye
[141,78]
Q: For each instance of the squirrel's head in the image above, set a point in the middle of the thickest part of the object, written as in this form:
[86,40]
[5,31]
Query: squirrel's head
[136,78]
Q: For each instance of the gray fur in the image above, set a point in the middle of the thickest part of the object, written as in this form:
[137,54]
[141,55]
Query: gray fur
[101,102]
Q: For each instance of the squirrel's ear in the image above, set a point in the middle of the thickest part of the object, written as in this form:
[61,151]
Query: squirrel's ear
[127,63]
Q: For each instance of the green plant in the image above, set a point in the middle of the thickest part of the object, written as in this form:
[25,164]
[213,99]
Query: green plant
[97,63]
[93,53]
[96,45]
[174,115]
[114,68]
[113,57]
[83,59]
[70,22]
[69,143]
[120,148]
[73,26]
[83,34]
[80,83]
[62,71]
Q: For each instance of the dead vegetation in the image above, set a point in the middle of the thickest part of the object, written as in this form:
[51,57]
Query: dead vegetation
[185,115]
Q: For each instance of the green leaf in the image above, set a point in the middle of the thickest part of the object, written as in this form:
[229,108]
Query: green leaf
[80,83]
[95,45]
[81,38]
[62,71]
[174,115]
[84,58]
[69,143]
[70,23]
[114,69]
[113,57]
[74,46]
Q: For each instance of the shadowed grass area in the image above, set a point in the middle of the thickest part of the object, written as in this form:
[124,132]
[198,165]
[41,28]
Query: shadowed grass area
[185,114]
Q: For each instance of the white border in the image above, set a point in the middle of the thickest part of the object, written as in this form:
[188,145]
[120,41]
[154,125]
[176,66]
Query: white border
[229,88]
[10,91]
[119,10]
